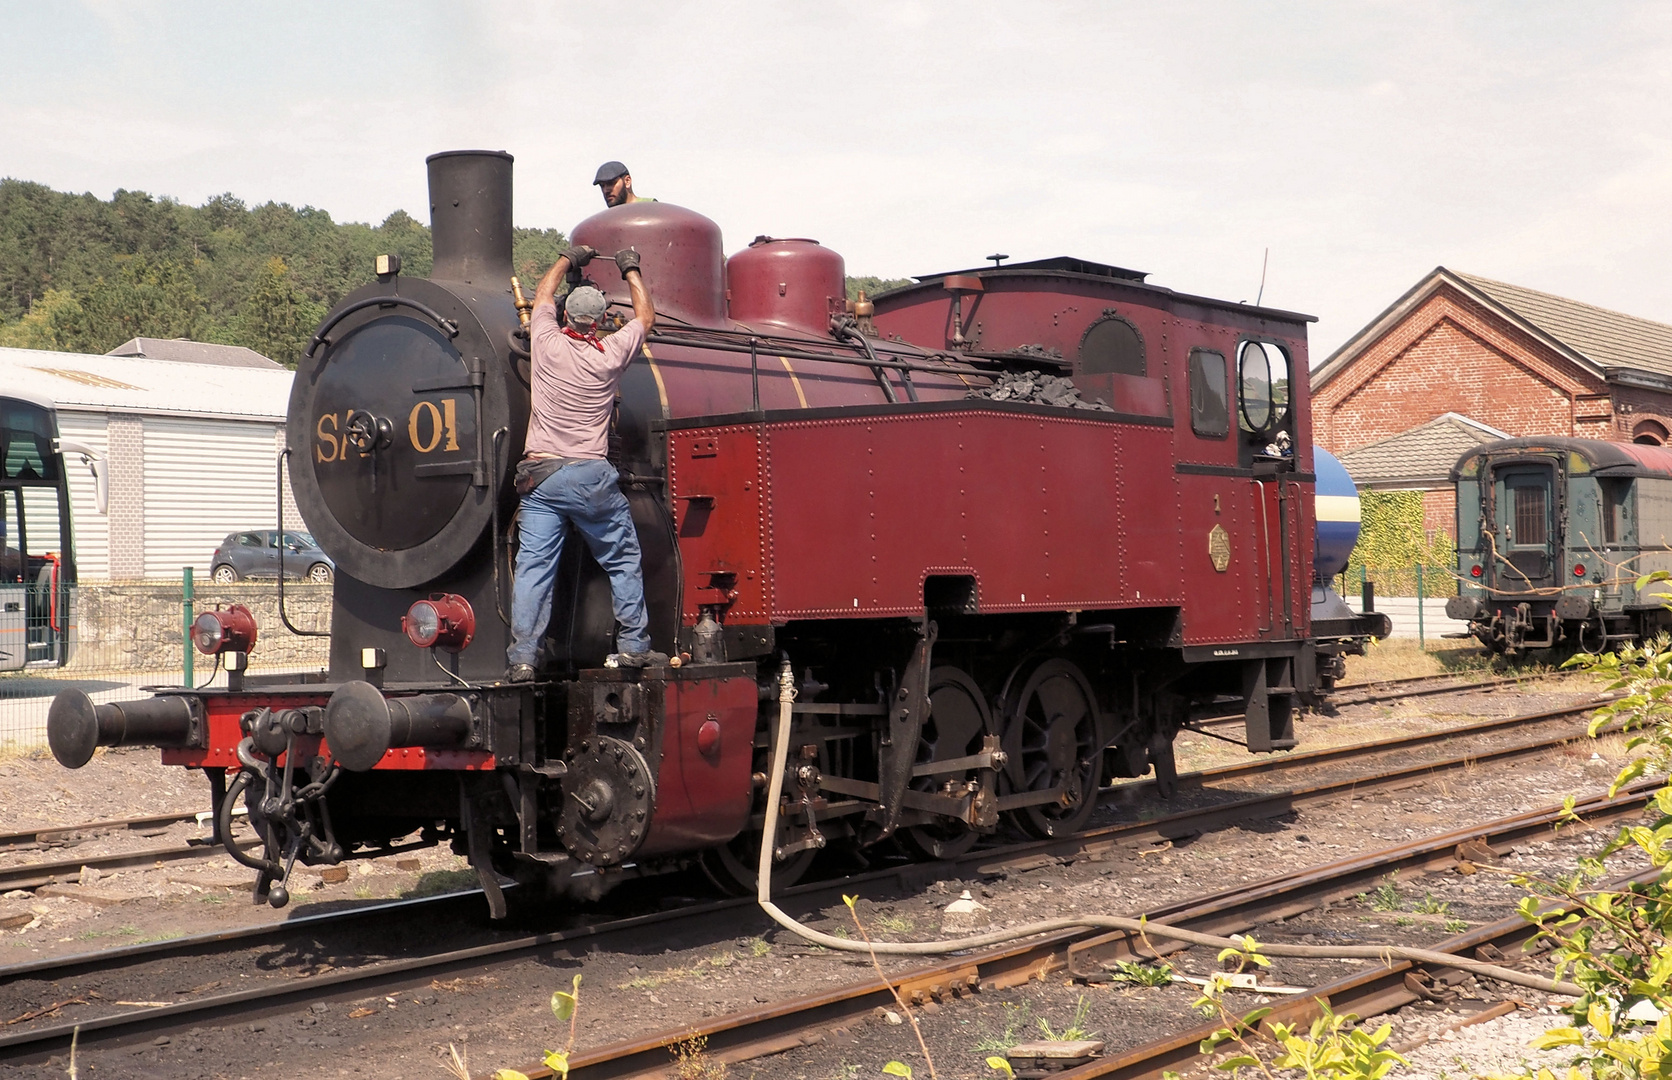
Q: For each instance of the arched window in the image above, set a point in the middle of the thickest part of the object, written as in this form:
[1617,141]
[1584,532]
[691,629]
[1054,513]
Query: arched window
[1649,433]
[1112,346]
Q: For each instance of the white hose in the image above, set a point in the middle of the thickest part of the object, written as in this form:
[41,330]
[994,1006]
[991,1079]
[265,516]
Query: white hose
[1383,953]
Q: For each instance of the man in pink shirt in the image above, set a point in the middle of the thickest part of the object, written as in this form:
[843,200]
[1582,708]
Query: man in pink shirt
[565,478]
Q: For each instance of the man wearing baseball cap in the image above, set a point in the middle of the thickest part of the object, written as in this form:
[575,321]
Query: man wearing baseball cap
[616,183]
[566,481]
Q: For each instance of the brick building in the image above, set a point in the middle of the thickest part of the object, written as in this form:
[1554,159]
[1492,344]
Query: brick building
[1496,357]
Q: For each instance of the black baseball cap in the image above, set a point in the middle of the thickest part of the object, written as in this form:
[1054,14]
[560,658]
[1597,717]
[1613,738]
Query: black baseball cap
[608,171]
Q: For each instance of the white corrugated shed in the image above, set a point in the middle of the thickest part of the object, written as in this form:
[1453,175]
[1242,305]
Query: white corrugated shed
[206,437]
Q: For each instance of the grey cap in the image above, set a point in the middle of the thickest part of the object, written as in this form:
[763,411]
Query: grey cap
[608,171]
[585,304]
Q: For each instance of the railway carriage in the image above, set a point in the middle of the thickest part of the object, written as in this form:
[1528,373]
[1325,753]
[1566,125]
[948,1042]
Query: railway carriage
[1552,536]
[989,604]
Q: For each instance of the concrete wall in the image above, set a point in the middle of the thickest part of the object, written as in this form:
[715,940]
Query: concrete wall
[1403,611]
[137,626]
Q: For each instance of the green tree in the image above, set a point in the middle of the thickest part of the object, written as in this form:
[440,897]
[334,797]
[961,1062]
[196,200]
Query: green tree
[276,317]
[146,297]
[874,285]
[57,322]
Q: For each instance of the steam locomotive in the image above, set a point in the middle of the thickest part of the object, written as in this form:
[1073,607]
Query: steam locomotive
[992,598]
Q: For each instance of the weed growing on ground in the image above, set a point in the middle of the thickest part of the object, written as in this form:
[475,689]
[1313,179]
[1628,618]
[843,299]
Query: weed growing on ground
[1140,974]
[1016,1018]
[890,1069]
[1430,906]
[691,1061]
[759,947]
[565,1005]
[895,924]
[1076,1029]
[1616,940]
[1385,897]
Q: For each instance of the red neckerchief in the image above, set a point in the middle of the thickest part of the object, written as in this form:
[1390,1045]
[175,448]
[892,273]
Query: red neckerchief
[591,339]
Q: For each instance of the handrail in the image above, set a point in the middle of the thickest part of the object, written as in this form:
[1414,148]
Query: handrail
[283,617]
[447,325]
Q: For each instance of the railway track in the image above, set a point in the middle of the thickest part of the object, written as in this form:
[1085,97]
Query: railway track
[1425,685]
[1368,693]
[50,835]
[33,875]
[267,997]
[785,1025]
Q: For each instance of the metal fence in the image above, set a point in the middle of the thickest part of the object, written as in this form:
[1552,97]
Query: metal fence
[128,635]
[1412,596]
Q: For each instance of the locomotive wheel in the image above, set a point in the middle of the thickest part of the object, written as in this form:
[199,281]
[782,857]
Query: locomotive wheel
[731,868]
[1050,733]
[958,721]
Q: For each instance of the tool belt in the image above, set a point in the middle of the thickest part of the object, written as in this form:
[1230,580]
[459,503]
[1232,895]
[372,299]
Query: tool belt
[532,472]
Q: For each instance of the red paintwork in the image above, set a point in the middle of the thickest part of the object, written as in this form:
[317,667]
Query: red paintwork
[680,254]
[845,517]
[702,799]
[225,711]
[786,284]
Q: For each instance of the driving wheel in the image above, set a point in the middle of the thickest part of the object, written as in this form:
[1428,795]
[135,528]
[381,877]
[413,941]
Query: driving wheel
[957,723]
[731,868]
[1050,734]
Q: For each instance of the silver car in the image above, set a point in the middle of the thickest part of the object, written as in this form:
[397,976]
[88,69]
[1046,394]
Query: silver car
[255,554]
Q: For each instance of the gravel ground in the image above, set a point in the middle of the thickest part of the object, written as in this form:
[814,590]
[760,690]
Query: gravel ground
[502,1019]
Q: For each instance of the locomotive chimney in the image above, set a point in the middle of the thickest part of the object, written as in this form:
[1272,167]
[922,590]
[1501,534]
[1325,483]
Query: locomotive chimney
[470,215]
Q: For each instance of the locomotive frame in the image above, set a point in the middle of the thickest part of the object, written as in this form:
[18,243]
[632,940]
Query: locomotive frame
[993,604]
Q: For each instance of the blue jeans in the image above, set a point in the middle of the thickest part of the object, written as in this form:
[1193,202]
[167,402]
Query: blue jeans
[585,496]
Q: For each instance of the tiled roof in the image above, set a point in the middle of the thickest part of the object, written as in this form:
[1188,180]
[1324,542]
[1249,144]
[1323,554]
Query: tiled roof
[1608,339]
[192,352]
[1606,342]
[1420,457]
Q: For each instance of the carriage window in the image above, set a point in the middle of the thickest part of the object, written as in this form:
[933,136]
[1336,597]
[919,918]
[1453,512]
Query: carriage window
[1531,528]
[1614,495]
[1209,413]
[1112,346]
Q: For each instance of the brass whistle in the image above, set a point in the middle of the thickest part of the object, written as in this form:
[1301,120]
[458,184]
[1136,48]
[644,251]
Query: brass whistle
[524,305]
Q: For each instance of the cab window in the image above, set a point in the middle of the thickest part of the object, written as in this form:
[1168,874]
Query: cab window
[1210,416]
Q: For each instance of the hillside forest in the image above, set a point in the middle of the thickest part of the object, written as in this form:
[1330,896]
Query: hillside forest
[83,274]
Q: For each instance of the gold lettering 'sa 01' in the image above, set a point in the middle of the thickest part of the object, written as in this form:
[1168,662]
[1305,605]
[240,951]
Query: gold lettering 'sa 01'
[442,423]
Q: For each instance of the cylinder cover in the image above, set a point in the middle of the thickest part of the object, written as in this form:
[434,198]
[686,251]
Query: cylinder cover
[680,253]
[796,284]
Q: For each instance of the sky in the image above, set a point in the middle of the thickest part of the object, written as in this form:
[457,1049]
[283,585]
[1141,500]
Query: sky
[1360,144]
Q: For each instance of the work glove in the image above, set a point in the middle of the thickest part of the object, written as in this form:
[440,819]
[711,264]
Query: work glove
[580,255]
[626,259]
